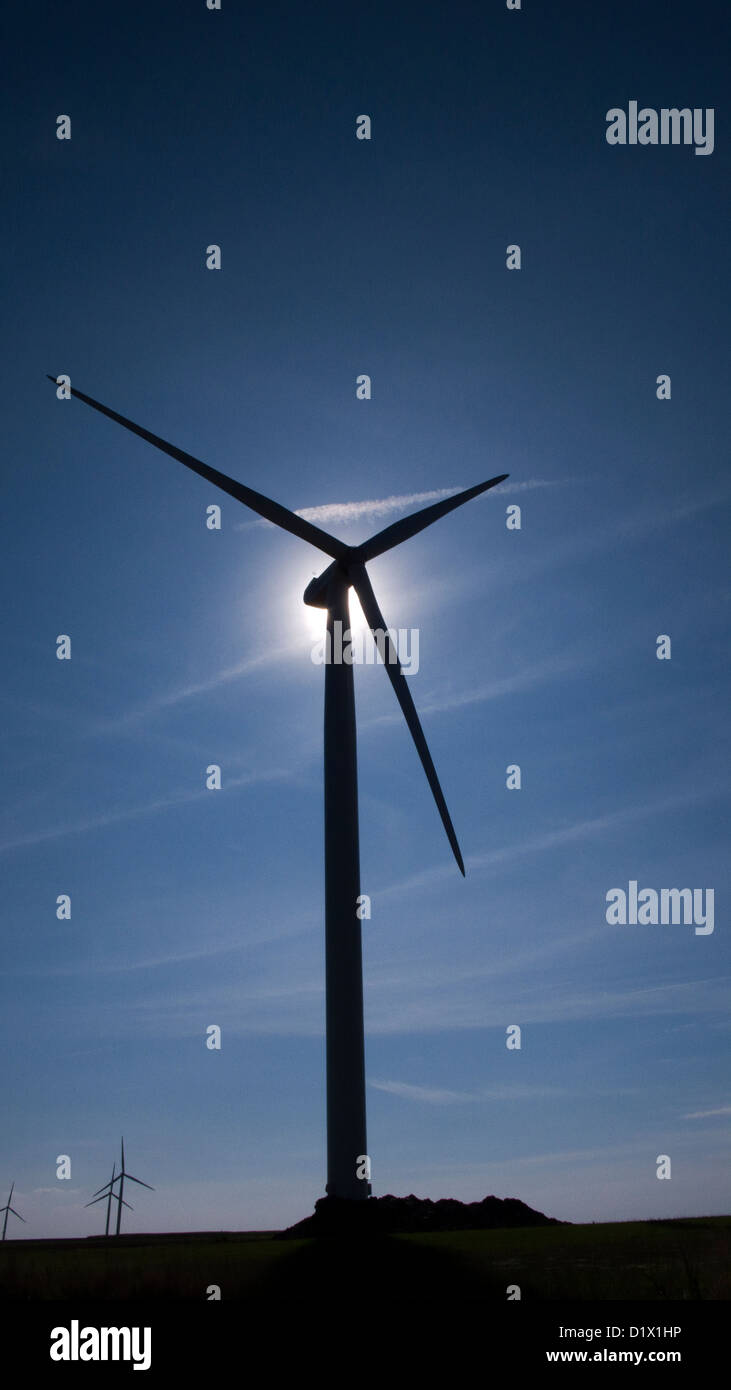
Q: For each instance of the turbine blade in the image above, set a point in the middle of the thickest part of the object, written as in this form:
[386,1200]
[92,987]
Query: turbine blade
[138,1180]
[110,1183]
[94,1200]
[374,618]
[126,1204]
[17,1213]
[10,1198]
[264,506]
[411,525]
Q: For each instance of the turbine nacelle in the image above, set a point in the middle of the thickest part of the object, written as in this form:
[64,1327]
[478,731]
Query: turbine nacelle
[317,593]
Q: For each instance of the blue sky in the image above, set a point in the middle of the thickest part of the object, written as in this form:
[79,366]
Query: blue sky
[192,647]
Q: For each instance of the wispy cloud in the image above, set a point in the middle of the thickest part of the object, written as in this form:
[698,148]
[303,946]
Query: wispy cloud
[431,1095]
[271,657]
[649,518]
[56,1191]
[435,1008]
[148,808]
[594,827]
[530,485]
[346,512]
[370,509]
[705,1114]
[633,527]
[273,1006]
[540,673]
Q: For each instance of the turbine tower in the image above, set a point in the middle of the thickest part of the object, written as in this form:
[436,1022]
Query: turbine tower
[345,1052]
[108,1192]
[8,1209]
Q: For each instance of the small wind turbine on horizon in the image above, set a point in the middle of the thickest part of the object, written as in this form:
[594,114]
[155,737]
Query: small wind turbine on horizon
[108,1195]
[347,1154]
[8,1209]
[108,1191]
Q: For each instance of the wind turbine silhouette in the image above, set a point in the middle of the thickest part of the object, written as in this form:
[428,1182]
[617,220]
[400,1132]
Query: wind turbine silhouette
[108,1196]
[121,1175]
[347,1170]
[118,1196]
[7,1209]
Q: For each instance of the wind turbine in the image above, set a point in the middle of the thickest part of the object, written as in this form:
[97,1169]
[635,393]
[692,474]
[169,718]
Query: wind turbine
[121,1175]
[108,1194]
[345,1051]
[7,1209]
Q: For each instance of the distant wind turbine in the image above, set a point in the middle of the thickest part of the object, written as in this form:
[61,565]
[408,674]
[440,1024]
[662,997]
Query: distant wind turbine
[108,1193]
[347,1171]
[121,1175]
[8,1209]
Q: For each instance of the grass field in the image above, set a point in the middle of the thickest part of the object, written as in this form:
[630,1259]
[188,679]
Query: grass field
[650,1260]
